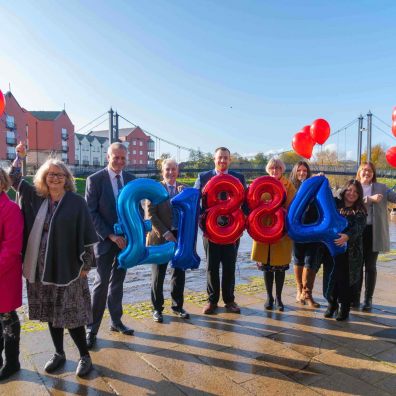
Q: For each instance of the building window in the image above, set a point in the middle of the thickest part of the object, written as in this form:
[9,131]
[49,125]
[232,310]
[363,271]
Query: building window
[141,152]
[134,142]
[140,161]
[10,121]
[64,134]
[140,143]
[133,151]
[134,161]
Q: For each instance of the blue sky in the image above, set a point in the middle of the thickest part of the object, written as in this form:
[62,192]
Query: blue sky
[246,74]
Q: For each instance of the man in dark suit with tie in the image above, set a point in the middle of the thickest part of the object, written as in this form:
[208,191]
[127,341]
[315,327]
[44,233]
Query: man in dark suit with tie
[101,193]
[215,253]
[164,222]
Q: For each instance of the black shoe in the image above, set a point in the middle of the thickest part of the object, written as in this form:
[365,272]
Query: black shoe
[121,328]
[57,361]
[9,369]
[368,304]
[84,366]
[331,310]
[343,312]
[181,313]
[355,304]
[279,304]
[157,316]
[269,303]
[91,340]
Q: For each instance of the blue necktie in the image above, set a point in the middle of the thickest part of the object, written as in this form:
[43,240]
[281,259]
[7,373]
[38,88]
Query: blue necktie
[119,184]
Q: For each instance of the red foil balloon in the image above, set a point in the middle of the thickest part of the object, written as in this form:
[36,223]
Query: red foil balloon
[306,129]
[303,144]
[223,221]
[394,128]
[320,131]
[391,156]
[394,114]
[266,221]
[2,103]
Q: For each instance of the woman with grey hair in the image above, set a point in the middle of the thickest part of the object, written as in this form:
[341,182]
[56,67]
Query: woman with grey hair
[274,258]
[57,255]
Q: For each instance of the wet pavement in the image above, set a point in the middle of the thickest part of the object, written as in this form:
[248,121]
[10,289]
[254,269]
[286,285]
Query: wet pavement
[255,353]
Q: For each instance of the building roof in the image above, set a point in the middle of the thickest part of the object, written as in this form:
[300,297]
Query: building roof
[91,138]
[46,115]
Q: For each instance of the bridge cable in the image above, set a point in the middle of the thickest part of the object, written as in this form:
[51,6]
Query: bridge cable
[157,137]
[97,118]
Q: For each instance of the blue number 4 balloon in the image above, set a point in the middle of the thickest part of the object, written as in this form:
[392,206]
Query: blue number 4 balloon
[132,225]
[329,224]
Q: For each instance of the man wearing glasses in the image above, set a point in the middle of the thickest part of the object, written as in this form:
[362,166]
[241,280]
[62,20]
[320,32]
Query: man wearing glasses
[101,193]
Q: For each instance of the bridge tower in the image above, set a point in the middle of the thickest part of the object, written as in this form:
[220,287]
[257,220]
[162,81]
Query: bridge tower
[113,126]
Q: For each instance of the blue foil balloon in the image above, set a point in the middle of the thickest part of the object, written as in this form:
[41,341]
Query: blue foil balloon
[187,205]
[131,224]
[329,224]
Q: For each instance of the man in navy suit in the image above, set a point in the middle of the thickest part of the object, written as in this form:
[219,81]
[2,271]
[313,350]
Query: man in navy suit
[215,253]
[101,193]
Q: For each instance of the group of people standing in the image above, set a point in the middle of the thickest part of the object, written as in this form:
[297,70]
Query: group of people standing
[60,236]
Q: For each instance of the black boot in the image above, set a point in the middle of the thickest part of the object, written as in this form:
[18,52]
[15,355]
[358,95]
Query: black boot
[371,280]
[332,308]
[343,312]
[279,282]
[11,346]
[1,346]
[269,283]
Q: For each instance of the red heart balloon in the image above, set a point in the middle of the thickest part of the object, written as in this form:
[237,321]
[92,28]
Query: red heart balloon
[394,114]
[394,128]
[2,103]
[391,156]
[303,144]
[306,129]
[320,131]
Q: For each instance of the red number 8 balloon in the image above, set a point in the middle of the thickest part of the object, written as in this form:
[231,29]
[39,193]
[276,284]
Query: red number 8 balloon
[266,221]
[222,197]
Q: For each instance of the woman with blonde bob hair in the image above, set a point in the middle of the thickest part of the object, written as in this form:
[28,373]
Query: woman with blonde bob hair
[274,258]
[40,177]
[57,255]
[376,233]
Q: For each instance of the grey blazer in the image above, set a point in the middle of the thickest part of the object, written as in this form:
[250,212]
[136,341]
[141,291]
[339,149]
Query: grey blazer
[381,240]
[102,206]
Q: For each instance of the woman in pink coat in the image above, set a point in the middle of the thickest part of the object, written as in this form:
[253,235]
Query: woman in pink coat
[11,231]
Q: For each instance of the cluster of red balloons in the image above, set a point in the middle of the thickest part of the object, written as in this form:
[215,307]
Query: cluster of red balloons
[2,103]
[304,141]
[391,153]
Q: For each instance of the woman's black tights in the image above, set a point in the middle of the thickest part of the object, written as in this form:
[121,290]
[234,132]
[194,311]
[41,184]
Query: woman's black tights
[269,282]
[77,334]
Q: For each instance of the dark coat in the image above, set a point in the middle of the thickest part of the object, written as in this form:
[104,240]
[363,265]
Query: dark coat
[102,206]
[354,230]
[70,232]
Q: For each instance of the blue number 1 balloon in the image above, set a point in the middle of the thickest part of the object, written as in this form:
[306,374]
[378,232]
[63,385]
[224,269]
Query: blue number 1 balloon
[131,224]
[329,224]
[187,204]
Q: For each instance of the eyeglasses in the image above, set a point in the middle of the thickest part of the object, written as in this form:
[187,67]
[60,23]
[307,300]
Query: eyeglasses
[59,176]
[275,168]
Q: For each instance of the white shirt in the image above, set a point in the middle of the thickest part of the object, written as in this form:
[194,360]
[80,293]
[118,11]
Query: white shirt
[113,180]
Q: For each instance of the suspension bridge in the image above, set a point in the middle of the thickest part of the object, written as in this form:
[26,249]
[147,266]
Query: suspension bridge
[341,144]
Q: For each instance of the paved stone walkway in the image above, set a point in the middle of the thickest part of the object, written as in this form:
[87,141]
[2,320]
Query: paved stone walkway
[255,353]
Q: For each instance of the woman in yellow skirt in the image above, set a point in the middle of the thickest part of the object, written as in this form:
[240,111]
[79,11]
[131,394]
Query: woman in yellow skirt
[274,259]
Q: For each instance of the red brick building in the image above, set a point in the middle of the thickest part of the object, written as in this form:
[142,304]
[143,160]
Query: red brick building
[44,132]
[141,148]
[13,127]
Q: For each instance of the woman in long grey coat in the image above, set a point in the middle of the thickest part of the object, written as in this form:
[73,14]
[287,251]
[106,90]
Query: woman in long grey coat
[376,234]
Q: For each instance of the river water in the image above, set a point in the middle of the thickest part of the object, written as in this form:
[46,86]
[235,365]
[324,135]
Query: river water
[137,281]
